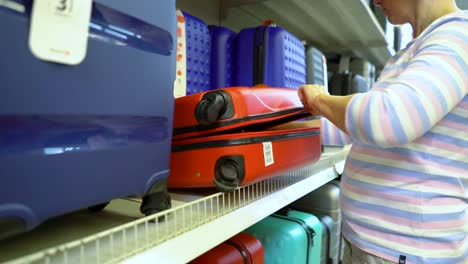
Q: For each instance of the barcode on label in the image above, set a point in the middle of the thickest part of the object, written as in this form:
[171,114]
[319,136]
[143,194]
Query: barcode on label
[268,153]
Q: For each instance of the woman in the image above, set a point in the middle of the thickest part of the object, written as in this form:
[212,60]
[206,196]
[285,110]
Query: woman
[404,188]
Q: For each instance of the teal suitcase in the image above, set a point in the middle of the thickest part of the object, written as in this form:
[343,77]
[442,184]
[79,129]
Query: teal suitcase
[325,201]
[291,237]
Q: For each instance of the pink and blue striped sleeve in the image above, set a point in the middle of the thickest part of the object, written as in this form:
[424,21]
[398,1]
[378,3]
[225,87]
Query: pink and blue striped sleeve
[428,87]
[332,135]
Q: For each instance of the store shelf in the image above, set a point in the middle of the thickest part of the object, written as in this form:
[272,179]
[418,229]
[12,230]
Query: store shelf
[332,25]
[198,222]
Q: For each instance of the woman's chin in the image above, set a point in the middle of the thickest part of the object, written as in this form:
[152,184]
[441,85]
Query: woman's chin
[395,20]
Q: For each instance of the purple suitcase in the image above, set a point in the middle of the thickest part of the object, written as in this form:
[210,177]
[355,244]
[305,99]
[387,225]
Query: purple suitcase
[77,136]
[198,41]
[269,55]
[222,57]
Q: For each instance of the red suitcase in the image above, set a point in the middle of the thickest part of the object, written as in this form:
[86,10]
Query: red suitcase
[222,138]
[239,249]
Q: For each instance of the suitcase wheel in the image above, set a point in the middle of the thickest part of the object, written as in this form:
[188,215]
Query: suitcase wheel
[11,226]
[229,173]
[98,207]
[155,202]
[214,106]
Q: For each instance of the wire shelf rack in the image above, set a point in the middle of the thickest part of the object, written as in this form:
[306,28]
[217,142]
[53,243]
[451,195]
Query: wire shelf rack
[119,243]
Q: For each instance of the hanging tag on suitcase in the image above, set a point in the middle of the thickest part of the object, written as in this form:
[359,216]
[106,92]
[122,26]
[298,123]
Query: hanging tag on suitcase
[222,138]
[242,248]
[269,55]
[292,237]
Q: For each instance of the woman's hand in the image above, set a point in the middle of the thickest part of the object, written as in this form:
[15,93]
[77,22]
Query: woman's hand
[309,95]
[319,102]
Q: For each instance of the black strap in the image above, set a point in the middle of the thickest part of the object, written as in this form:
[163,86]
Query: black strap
[241,250]
[259,55]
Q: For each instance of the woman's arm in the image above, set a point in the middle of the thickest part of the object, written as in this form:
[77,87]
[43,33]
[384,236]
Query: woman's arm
[429,86]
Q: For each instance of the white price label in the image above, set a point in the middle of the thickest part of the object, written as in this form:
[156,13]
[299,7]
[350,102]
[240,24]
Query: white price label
[268,153]
[59,30]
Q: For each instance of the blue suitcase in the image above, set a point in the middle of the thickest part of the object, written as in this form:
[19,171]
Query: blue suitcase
[198,42]
[73,137]
[222,57]
[269,55]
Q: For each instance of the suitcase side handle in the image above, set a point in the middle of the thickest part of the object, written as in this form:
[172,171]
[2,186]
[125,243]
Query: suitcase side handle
[214,106]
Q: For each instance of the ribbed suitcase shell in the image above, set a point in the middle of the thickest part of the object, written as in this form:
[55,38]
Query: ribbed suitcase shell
[347,83]
[242,248]
[295,238]
[198,41]
[365,69]
[222,57]
[269,55]
[65,130]
[316,65]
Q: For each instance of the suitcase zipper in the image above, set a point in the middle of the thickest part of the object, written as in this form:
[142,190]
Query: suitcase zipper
[289,112]
[242,141]
[309,231]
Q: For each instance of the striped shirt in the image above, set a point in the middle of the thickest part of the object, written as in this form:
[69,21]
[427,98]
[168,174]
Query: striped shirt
[332,135]
[404,188]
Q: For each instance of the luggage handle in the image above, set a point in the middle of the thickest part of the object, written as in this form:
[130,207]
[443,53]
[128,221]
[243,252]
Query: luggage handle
[259,54]
[241,250]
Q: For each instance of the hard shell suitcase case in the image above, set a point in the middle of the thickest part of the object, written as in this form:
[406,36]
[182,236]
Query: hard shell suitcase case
[198,49]
[324,201]
[316,65]
[327,231]
[220,137]
[344,81]
[74,136]
[347,83]
[269,55]
[242,248]
[365,69]
[292,237]
[222,57]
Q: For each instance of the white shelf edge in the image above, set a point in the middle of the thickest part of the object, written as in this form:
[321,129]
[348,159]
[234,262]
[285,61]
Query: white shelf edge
[201,239]
[147,240]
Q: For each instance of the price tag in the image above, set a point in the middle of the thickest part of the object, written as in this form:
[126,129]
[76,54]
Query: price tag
[59,30]
[268,153]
